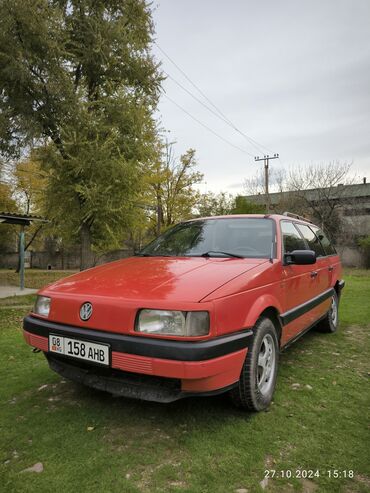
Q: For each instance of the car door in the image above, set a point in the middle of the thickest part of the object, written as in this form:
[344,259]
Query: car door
[299,285]
[320,272]
[332,258]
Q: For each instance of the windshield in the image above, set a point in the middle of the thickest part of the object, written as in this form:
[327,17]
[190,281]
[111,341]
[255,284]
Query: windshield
[239,237]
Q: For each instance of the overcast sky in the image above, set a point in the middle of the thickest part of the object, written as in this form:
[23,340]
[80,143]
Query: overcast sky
[293,75]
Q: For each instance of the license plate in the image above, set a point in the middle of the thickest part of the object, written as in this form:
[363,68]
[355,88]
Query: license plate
[75,348]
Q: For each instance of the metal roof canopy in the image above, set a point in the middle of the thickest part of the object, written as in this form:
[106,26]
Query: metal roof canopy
[22,220]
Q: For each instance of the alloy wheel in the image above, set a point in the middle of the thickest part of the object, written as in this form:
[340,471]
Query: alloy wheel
[266,364]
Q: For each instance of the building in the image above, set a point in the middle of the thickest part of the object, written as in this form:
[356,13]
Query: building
[351,202]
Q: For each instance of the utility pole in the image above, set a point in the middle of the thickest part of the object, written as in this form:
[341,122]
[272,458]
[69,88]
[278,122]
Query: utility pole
[265,160]
[21,257]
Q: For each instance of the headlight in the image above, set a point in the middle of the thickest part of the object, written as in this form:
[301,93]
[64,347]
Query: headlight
[174,323]
[42,306]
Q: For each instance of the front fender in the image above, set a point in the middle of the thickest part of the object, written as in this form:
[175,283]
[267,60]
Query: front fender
[262,303]
[242,310]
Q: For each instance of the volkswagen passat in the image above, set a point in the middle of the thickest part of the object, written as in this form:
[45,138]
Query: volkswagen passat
[203,309]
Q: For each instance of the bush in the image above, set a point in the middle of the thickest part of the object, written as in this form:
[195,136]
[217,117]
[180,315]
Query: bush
[244,206]
[364,244]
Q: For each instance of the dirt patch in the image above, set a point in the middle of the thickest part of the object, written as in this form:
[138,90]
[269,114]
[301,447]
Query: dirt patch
[358,333]
[146,478]
[308,486]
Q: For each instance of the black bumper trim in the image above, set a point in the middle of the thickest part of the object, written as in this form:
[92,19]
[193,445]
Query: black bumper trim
[296,312]
[146,346]
[124,384]
[341,285]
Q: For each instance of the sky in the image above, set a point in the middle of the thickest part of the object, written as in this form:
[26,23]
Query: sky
[292,75]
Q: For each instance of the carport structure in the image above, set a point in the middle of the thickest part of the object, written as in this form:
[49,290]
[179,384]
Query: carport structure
[22,221]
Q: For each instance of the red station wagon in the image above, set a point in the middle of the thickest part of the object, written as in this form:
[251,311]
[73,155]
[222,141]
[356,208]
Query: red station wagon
[203,309]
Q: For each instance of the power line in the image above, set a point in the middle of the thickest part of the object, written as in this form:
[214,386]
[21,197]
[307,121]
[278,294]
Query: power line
[252,141]
[208,128]
[195,97]
[217,114]
[205,105]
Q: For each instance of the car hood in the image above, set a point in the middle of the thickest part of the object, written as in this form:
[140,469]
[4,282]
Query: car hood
[188,279]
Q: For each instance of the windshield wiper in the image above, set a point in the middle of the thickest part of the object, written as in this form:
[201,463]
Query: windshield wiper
[215,253]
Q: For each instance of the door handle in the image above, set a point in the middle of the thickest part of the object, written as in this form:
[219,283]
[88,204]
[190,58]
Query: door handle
[314,273]
[331,268]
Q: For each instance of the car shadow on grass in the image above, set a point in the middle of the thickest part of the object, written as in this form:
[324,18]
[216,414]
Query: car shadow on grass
[196,407]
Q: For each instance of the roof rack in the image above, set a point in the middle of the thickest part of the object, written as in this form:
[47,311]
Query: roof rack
[296,216]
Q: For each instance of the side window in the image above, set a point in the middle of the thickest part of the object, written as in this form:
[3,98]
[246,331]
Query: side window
[292,240]
[325,242]
[312,240]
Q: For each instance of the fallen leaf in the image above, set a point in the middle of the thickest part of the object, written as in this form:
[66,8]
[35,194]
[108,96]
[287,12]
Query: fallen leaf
[264,483]
[38,467]
[90,428]
[42,387]
[308,387]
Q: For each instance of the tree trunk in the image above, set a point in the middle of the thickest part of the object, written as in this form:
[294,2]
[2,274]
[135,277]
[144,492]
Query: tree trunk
[86,255]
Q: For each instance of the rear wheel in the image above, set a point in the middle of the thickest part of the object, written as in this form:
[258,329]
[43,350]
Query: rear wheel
[258,377]
[330,322]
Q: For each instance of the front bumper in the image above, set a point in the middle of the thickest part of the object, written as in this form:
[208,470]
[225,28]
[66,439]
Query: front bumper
[138,364]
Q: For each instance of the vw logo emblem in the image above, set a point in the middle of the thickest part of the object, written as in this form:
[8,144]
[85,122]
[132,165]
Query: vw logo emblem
[86,311]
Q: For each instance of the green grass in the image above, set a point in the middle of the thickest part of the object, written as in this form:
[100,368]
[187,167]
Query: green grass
[194,445]
[20,300]
[34,278]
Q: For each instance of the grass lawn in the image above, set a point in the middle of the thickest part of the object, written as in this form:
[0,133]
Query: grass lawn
[34,278]
[89,441]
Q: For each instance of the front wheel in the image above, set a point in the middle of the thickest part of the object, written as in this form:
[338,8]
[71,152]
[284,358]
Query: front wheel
[258,376]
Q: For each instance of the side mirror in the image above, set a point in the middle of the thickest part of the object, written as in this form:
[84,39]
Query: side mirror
[300,257]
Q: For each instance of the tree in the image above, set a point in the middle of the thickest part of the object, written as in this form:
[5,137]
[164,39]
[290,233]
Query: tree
[179,195]
[244,206]
[364,244]
[29,186]
[29,192]
[7,204]
[171,193]
[255,185]
[317,191]
[215,204]
[78,81]
[223,203]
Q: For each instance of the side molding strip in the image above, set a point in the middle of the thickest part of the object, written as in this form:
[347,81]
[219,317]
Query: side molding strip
[299,310]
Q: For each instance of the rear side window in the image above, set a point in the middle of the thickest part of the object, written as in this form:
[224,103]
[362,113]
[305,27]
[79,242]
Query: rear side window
[292,240]
[312,240]
[325,242]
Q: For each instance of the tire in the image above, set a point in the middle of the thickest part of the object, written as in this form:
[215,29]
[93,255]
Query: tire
[253,392]
[329,324]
